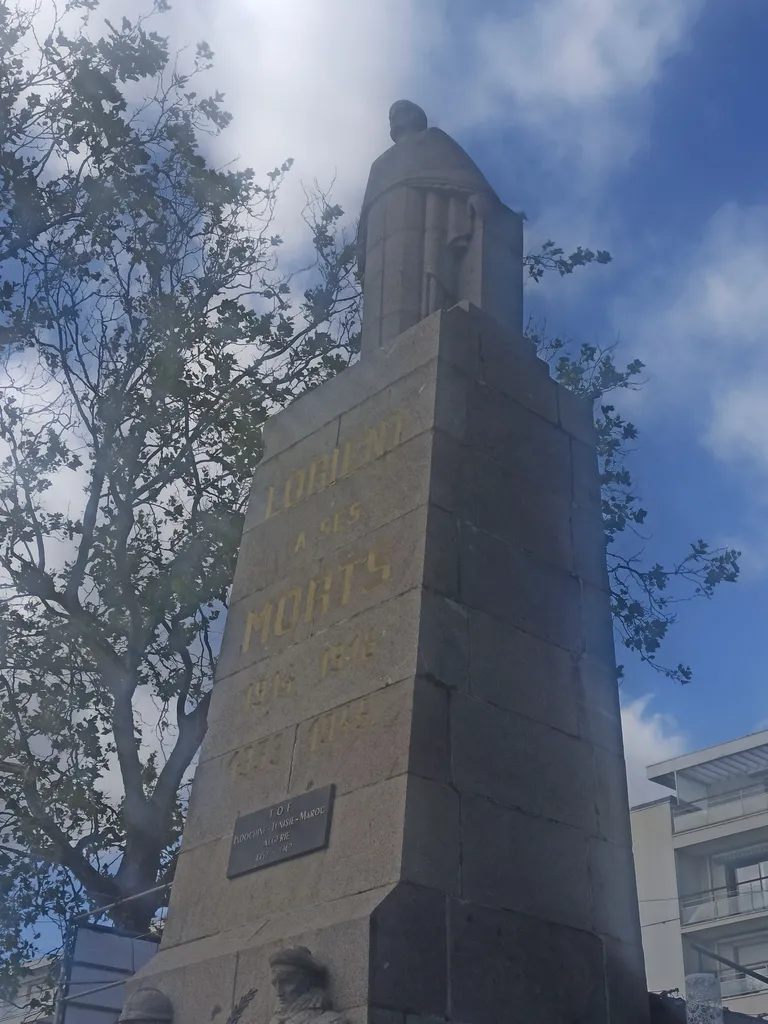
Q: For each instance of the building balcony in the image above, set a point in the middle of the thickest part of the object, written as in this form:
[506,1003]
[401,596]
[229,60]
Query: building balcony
[739,803]
[717,904]
[735,983]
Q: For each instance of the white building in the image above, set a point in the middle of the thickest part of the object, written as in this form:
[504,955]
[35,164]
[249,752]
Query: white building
[701,857]
[37,984]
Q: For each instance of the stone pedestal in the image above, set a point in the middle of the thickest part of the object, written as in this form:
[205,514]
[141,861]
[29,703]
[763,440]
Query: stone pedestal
[421,618]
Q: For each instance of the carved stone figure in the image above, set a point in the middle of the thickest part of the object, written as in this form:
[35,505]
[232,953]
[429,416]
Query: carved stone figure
[147,1005]
[300,984]
[433,233]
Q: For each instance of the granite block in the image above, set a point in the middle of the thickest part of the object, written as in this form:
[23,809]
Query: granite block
[410,919]
[521,763]
[431,836]
[355,744]
[348,660]
[614,889]
[577,416]
[523,513]
[520,589]
[358,576]
[612,802]
[506,963]
[430,734]
[522,863]
[238,782]
[356,505]
[444,641]
[442,553]
[364,853]
[529,446]
[523,673]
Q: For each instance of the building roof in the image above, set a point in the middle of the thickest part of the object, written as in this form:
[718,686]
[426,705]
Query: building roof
[746,755]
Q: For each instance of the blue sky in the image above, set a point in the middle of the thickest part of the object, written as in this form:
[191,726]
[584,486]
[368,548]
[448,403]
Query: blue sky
[631,125]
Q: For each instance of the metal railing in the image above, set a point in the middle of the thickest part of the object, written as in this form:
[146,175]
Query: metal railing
[714,904]
[709,811]
[735,983]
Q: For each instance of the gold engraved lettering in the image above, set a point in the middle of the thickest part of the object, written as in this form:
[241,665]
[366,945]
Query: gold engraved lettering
[373,565]
[324,470]
[338,657]
[317,596]
[318,474]
[293,595]
[376,441]
[289,498]
[270,500]
[354,511]
[254,758]
[325,596]
[252,623]
[341,722]
[261,690]
[301,542]
[348,568]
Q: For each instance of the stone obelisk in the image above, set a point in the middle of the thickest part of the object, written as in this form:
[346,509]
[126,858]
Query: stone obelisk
[411,801]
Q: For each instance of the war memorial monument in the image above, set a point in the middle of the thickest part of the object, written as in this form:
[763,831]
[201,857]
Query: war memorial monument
[411,801]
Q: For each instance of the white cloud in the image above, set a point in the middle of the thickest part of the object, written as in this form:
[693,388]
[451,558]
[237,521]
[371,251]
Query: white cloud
[704,337]
[649,737]
[575,69]
[314,80]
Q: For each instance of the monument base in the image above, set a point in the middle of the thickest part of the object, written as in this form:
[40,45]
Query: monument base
[420,619]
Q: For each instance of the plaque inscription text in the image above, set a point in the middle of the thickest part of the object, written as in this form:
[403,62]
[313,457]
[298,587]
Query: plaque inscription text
[295,826]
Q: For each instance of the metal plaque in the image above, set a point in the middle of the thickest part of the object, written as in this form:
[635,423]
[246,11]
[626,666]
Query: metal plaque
[291,828]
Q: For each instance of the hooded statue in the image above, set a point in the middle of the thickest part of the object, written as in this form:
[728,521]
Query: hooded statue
[433,233]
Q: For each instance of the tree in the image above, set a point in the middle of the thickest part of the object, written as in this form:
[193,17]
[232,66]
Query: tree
[157,333]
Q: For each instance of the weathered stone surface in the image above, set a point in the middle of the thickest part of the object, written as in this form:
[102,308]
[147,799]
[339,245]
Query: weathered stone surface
[519,862]
[510,365]
[614,892]
[597,625]
[343,948]
[451,485]
[363,853]
[430,755]
[379,566]
[523,673]
[612,799]
[598,701]
[525,514]
[348,660]
[577,416]
[521,590]
[355,744]
[589,547]
[381,491]
[202,991]
[526,444]
[410,918]
[443,654]
[512,760]
[586,476]
[627,990]
[545,972]
[442,553]
[238,782]
[431,844]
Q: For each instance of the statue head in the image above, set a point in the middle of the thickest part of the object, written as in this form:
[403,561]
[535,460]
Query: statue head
[147,1005]
[406,118]
[294,973]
